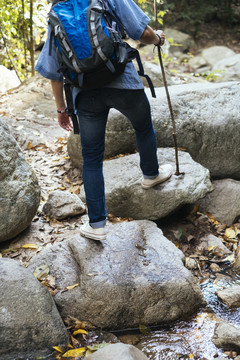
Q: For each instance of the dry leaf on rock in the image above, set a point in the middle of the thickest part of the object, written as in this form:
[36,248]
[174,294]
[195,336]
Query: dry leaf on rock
[41,272]
[75,352]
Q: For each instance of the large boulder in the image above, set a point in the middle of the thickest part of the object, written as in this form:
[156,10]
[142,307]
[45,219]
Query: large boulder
[226,336]
[134,277]
[223,202]
[214,54]
[19,190]
[178,41]
[207,119]
[229,68]
[125,196]
[29,320]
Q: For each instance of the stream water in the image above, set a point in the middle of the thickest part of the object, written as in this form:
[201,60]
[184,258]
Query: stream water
[192,339]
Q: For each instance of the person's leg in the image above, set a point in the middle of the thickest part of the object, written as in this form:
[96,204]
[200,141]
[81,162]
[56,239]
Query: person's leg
[135,106]
[92,116]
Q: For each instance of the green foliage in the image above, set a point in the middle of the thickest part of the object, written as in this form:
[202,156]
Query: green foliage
[15,32]
[148,7]
[193,12]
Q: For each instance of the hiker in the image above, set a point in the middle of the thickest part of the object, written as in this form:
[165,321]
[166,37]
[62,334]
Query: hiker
[126,94]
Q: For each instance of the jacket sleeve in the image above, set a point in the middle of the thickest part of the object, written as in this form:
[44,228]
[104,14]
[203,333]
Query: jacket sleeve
[131,16]
[47,64]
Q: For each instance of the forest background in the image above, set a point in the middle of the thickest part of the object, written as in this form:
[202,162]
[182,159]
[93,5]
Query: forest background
[23,25]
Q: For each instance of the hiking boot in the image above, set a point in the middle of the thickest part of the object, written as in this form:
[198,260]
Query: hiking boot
[95,234]
[165,172]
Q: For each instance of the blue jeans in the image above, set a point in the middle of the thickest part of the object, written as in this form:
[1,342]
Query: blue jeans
[92,109]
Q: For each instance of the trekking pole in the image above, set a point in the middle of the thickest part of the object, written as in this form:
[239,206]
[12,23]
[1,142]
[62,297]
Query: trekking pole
[167,93]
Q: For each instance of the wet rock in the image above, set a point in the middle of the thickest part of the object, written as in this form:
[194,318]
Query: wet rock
[211,243]
[126,198]
[237,262]
[29,321]
[191,264]
[230,296]
[62,204]
[134,277]
[214,54]
[19,189]
[207,120]
[118,352]
[223,202]
[215,267]
[226,336]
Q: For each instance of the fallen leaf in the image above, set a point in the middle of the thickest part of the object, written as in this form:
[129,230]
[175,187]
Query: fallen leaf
[75,352]
[190,238]
[144,329]
[57,348]
[41,272]
[97,346]
[29,145]
[80,331]
[9,250]
[179,234]
[72,286]
[230,233]
[30,246]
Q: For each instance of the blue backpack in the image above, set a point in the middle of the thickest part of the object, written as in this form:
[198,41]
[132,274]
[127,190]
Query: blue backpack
[88,39]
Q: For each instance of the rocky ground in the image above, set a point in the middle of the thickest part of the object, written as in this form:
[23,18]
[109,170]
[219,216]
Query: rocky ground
[44,145]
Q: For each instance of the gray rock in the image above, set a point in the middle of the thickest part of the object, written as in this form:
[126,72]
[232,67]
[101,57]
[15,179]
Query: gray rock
[134,277]
[207,120]
[226,336]
[29,320]
[126,198]
[197,62]
[223,202]
[62,204]
[19,190]
[229,67]
[118,352]
[230,296]
[211,243]
[184,41]
[214,54]
[155,74]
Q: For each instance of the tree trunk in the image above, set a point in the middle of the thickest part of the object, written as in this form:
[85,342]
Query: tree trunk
[32,39]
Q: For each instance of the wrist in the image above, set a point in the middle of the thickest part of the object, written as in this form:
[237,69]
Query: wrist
[158,41]
[62,110]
